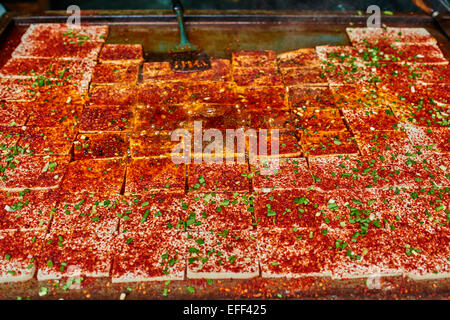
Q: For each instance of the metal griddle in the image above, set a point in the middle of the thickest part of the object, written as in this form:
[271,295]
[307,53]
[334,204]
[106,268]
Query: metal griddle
[219,33]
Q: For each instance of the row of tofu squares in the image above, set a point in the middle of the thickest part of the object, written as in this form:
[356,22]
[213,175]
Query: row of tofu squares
[61,34]
[113,132]
[305,233]
[251,67]
[327,67]
[165,107]
[116,176]
[339,210]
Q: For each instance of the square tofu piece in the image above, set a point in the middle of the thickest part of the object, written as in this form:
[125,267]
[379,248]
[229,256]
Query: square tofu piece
[222,255]
[220,211]
[95,176]
[55,115]
[421,171]
[351,96]
[160,71]
[380,36]
[85,211]
[370,119]
[285,253]
[100,145]
[48,141]
[394,74]
[429,139]
[348,172]
[301,58]
[155,145]
[156,212]
[16,90]
[33,172]
[298,77]
[414,53]
[325,143]
[313,119]
[14,113]
[311,97]
[218,177]
[153,118]
[384,143]
[77,50]
[285,145]
[119,94]
[106,118]
[277,119]
[149,256]
[289,209]
[9,137]
[424,210]
[62,32]
[26,210]
[257,77]
[122,53]
[79,253]
[268,98]
[254,59]
[113,73]
[343,65]
[152,175]
[280,174]
[57,71]
[68,94]
[363,259]
[17,255]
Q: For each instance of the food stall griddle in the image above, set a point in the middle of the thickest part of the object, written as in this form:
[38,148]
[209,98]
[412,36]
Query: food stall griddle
[219,33]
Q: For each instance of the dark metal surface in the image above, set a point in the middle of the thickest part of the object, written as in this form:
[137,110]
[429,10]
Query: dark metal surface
[219,34]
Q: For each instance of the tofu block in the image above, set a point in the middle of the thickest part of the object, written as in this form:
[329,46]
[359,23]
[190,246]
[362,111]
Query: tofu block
[113,73]
[48,141]
[280,174]
[214,212]
[122,94]
[254,59]
[326,143]
[122,53]
[18,252]
[152,175]
[370,119]
[88,211]
[95,176]
[33,172]
[61,32]
[14,113]
[149,256]
[285,253]
[46,115]
[106,119]
[289,209]
[300,58]
[27,210]
[218,177]
[79,253]
[101,145]
[222,255]
[155,212]
[154,145]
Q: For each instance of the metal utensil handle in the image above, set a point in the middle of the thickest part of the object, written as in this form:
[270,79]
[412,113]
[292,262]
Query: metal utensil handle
[178,8]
